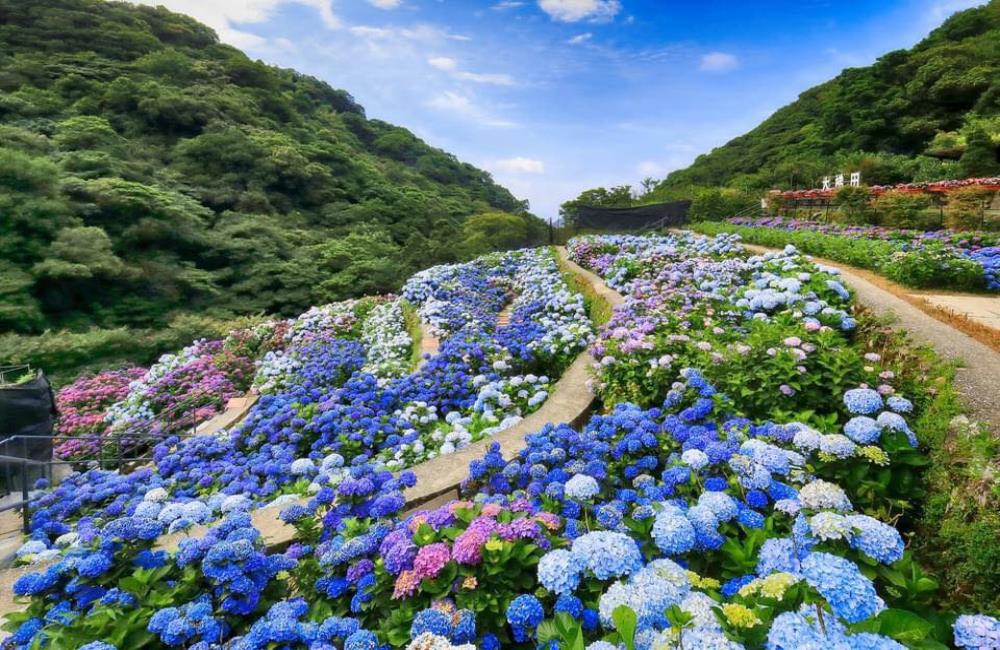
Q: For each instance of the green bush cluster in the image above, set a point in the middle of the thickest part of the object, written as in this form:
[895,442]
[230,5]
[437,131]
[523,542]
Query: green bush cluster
[147,170]
[64,354]
[931,266]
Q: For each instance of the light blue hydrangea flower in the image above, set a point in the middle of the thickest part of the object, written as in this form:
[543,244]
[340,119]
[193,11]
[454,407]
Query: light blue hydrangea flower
[607,554]
[862,401]
[582,487]
[558,572]
[977,632]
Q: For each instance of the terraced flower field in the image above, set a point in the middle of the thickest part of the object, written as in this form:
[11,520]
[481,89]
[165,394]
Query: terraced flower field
[750,480]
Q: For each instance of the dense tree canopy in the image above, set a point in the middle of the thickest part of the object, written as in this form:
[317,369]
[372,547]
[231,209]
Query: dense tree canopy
[147,170]
[909,116]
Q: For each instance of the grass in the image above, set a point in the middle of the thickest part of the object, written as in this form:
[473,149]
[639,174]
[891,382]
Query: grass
[598,308]
[416,331]
[954,526]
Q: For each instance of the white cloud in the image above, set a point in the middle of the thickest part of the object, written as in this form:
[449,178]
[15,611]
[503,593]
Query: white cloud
[718,62]
[425,32]
[580,38]
[462,105]
[503,5]
[222,15]
[520,165]
[571,11]
[495,78]
[385,4]
[364,31]
[443,62]
[449,64]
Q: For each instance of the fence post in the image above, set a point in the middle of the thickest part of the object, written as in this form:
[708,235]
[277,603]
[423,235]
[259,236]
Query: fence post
[25,509]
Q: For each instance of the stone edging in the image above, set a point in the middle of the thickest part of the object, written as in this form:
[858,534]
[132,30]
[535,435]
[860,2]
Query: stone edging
[438,479]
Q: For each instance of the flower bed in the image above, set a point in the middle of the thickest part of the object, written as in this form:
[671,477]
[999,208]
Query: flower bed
[934,259]
[707,508]
[322,403]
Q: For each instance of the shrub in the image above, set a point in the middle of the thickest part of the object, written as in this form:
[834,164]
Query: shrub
[714,203]
[901,209]
[966,208]
[933,266]
[854,204]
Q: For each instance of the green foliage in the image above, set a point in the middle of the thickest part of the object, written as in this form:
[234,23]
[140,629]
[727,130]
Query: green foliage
[147,171]
[716,203]
[966,208]
[929,266]
[616,197]
[482,233]
[854,204]
[64,354]
[896,107]
[903,210]
[933,266]
[980,157]
[960,526]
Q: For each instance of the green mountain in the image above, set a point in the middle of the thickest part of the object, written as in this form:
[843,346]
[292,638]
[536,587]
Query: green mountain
[147,171]
[910,116]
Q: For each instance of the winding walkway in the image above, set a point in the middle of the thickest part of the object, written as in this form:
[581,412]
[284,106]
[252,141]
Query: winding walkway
[438,480]
[977,378]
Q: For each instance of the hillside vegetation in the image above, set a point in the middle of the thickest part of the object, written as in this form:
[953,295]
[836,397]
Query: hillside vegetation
[927,113]
[149,172]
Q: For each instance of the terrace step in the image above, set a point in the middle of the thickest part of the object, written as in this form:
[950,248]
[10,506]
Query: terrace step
[438,479]
[236,410]
[571,401]
[429,346]
[503,318]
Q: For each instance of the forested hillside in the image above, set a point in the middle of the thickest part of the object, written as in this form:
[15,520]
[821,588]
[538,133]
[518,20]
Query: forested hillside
[147,171]
[927,113]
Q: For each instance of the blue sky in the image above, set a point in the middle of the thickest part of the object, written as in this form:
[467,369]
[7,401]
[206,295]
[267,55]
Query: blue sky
[556,96]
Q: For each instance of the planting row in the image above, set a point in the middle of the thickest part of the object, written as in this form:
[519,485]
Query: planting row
[934,259]
[735,493]
[338,388]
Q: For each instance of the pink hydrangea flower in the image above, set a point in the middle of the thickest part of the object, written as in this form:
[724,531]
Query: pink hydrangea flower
[431,559]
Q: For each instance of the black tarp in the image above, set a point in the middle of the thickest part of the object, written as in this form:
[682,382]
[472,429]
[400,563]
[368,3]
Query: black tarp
[644,216]
[27,409]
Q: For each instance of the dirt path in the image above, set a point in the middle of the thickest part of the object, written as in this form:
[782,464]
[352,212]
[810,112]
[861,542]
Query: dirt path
[978,378]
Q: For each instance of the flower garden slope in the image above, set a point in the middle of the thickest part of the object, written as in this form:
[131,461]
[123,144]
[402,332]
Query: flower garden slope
[545,330]
[978,374]
[681,506]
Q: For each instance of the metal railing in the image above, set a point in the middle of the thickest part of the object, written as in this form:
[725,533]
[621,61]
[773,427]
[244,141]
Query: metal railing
[122,449]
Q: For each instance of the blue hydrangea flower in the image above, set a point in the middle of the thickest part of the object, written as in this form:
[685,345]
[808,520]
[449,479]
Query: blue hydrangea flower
[559,572]
[863,401]
[977,632]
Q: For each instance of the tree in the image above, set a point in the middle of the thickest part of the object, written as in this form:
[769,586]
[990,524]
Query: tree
[902,209]
[966,208]
[619,196]
[482,233]
[854,204]
[80,254]
[363,262]
[19,311]
[715,203]
[980,157]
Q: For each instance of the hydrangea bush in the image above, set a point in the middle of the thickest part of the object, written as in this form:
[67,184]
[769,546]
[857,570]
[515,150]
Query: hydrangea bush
[736,491]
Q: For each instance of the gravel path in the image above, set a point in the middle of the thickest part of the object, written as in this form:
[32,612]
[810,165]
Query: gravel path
[978,377]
